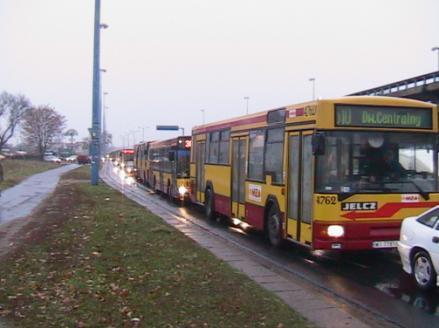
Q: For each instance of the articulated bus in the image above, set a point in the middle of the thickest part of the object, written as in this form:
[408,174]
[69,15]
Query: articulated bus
[167,167]
[124,158]
[141,162]
[335,174]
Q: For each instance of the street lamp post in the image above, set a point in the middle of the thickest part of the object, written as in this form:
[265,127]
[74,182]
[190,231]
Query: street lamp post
[95,130]
[247,98]
[143,131]
[133,132]
[203,112]
[436,49]
[313,81]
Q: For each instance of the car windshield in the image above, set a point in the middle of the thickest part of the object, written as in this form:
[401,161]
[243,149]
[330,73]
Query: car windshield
[183,157]
[374,162]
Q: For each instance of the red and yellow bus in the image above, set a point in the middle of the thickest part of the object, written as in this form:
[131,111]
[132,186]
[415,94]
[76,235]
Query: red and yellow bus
[167,167]
[141,162]
[330,174]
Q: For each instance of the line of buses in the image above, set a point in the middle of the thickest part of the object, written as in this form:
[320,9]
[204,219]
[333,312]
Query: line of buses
[336,174]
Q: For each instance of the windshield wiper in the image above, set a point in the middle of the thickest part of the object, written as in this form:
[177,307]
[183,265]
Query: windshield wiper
[423,193]
[344,195]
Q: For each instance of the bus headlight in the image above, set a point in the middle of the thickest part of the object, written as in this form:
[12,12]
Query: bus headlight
[182,190]
[335,231]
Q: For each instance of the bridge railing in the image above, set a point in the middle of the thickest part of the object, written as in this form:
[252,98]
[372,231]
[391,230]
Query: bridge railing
[391,88]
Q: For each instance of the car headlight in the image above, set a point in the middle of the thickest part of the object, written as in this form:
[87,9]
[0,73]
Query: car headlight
[335,231]
[182,190]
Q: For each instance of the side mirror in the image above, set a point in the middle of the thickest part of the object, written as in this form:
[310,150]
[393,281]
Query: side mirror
[435,240]
[318,143]
[171,156]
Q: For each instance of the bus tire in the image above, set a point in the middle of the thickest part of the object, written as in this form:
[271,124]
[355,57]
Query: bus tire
[273,226]
[209,204]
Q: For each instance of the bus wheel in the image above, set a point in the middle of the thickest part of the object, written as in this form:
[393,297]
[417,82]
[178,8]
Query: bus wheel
[423,271]
[274,226]
[209,205]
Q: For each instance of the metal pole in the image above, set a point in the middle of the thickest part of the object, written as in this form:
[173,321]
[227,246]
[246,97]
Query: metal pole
[96,120]
[313,81]
[134,137]
[436,49]
[203,112]
[247,99]
[182,131]
[143,133]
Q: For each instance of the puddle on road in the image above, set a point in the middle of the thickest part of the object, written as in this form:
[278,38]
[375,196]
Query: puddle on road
[405,290]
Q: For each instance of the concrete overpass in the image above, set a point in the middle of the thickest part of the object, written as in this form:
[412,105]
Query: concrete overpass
[423,87]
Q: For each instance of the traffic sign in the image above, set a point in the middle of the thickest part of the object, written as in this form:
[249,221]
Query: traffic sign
[167,127]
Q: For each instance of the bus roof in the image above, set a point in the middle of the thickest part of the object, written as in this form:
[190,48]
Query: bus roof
[260,117]
[168,142]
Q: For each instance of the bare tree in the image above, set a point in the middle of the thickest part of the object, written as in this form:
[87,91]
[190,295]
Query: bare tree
[12,108]
[41,125]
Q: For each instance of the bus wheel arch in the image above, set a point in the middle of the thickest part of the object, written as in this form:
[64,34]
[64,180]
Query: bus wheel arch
[273,225]
[209,201]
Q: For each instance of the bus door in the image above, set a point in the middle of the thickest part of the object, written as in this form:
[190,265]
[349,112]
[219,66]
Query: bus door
[239,151]
[199,170]
[300,186]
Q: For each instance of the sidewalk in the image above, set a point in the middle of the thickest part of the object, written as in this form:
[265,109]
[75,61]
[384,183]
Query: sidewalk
[19,201]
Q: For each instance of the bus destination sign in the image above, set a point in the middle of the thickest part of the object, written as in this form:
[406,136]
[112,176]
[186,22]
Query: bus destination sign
[383,117]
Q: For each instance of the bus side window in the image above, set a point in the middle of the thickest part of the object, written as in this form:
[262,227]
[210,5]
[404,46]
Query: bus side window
[274,154]
[256,155]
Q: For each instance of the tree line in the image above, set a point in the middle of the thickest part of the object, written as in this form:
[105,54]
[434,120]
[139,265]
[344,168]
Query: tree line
[39,125]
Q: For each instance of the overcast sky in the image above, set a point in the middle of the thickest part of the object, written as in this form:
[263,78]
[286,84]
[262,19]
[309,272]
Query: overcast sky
[169,59]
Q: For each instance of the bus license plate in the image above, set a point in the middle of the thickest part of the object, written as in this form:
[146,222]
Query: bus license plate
[385,244]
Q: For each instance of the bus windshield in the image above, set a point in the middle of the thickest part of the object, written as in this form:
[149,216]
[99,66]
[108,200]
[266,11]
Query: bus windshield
[183,157]
[377,162]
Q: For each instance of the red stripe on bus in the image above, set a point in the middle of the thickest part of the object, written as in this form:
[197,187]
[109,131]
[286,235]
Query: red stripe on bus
[388,210]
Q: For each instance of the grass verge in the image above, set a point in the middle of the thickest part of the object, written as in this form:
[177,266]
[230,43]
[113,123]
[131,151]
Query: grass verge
[97,259]
[16,170]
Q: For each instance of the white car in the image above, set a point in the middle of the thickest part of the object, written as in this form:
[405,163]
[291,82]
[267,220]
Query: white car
[72,158]
[419,248]
[53,159]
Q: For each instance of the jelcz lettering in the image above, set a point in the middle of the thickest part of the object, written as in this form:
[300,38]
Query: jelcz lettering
[359,206]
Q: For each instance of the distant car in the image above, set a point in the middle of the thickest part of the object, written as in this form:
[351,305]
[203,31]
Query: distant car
[71,158]
[83,159]
[419,248]
[51,158]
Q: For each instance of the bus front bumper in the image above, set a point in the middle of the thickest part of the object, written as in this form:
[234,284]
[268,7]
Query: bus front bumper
[357,236]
